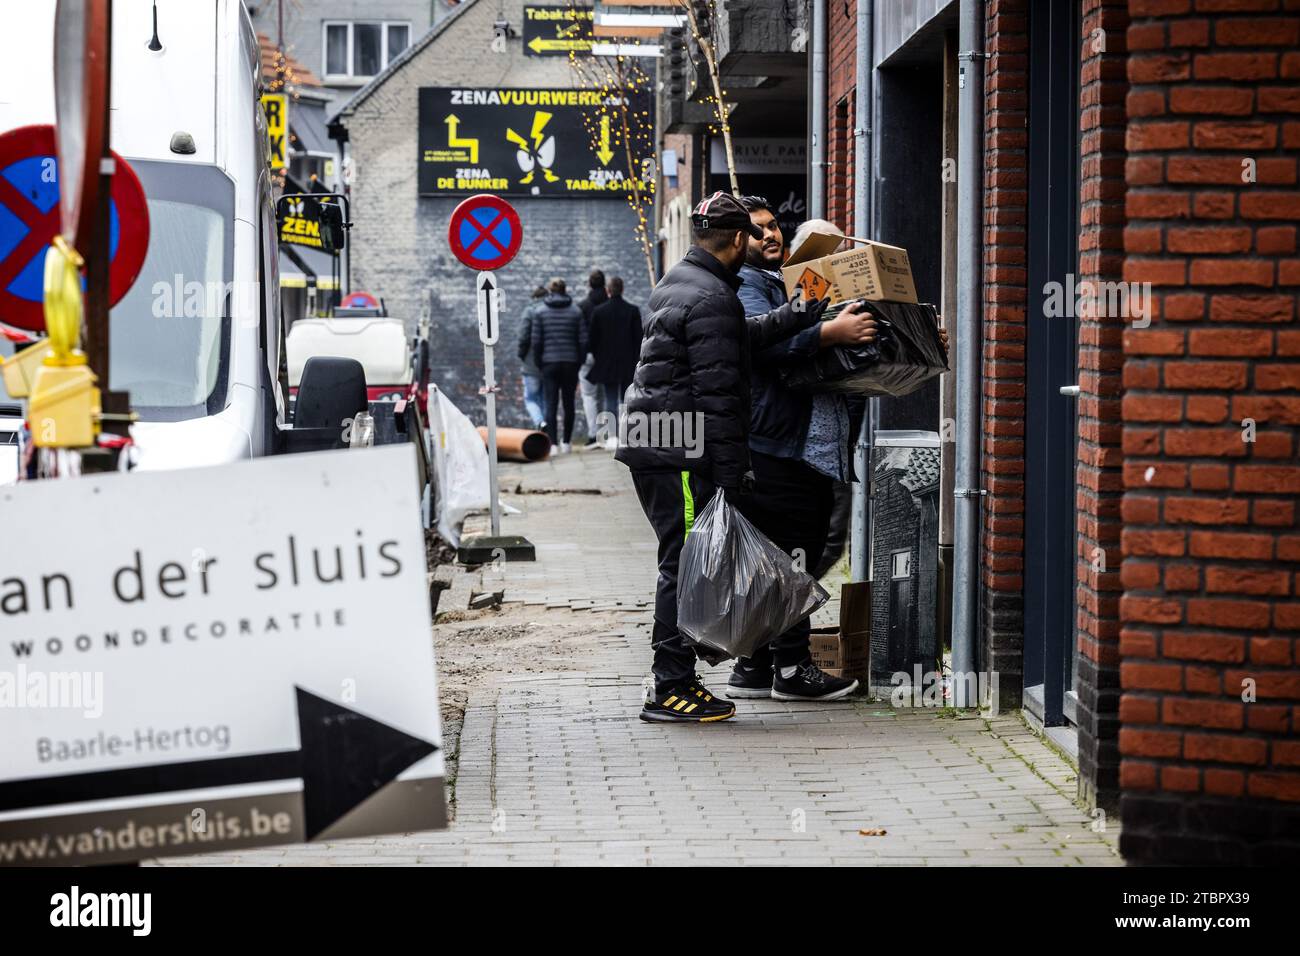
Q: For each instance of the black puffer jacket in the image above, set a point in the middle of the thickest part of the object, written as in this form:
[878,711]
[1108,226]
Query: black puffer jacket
[557,332]
[694,365]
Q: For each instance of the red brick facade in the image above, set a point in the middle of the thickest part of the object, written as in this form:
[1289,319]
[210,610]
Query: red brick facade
[1211,621]
[1005,294]
[841,77]
[1103,87]
[1188,554]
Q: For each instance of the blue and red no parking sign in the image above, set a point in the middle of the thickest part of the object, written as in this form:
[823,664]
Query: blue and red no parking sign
[30,219]
[484,232]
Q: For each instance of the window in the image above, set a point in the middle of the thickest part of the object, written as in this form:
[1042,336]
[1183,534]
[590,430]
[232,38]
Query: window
[363,48]
[901,565]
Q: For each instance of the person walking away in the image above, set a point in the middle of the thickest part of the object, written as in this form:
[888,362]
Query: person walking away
[694,370]
[559,341]
[615,344]
[532,375]
[591,391]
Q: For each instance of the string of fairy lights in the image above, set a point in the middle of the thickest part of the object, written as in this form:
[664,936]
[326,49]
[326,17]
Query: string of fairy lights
[625,119]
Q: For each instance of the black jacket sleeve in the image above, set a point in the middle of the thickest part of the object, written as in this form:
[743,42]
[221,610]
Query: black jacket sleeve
[778,325]
[526,334]
[536,336]
[713,352]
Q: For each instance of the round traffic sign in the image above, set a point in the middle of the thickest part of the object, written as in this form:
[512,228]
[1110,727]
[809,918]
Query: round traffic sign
[29,221]
[484,232]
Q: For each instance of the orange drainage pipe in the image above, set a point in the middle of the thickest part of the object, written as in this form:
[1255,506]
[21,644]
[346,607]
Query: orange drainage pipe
[519,444]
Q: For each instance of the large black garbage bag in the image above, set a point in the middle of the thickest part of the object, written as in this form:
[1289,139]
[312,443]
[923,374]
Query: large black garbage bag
[907,353]
[736,590]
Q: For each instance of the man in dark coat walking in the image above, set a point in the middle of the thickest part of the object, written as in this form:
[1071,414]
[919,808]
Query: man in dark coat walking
[692,382]
[615,344]
[558,340]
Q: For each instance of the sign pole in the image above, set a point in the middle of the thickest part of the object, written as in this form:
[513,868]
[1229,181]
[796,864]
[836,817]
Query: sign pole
[484,233]
[488,298]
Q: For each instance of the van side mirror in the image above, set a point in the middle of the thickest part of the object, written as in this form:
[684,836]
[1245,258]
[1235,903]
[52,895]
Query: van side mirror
[313,214]
[332,232]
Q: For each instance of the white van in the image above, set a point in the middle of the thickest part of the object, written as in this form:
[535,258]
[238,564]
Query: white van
[203,371]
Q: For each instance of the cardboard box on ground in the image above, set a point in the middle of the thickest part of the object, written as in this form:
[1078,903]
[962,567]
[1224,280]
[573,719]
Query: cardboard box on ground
[872,270]
[846,651]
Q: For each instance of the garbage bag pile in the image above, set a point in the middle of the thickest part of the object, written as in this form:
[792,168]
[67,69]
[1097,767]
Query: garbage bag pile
[736,590]
[907,353]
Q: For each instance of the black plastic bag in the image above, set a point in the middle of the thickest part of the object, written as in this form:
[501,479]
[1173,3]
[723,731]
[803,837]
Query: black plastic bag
[907,353]
[736,590]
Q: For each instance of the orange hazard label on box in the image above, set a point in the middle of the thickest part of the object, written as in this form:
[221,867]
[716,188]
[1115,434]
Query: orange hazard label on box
[813,285]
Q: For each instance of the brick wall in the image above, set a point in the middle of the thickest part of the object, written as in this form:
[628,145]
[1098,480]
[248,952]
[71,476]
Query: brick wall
[1005,196]
[841,78]
[1103,87]
[399,243]
[1209,652]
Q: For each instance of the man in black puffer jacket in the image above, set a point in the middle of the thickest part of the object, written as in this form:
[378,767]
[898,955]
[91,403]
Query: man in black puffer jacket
[685,429]
[557,336]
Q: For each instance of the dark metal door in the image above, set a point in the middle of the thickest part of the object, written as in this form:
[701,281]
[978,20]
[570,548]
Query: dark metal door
[1051,356]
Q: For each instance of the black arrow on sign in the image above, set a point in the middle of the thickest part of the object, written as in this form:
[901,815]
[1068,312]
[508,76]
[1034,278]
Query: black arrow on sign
[345,757]
[487,303]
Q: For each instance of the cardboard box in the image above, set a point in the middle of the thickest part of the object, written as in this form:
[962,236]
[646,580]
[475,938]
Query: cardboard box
[872,270]
[846,651]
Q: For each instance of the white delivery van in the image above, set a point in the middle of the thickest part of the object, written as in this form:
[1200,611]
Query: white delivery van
[197,341]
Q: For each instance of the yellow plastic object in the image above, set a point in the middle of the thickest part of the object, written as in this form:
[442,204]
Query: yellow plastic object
[64,408]
[19,371]
[63,305]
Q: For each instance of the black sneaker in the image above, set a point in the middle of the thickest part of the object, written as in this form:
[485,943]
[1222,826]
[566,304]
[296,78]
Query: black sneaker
[810,682]
[688,703]
[749,682]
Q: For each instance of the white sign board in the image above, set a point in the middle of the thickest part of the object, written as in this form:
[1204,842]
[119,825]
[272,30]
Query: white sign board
[488,297]
[203,660]
[757,155]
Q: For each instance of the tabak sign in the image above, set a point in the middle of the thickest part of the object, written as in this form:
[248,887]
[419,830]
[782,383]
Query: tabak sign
[236,659]
[523,142]
[558,30]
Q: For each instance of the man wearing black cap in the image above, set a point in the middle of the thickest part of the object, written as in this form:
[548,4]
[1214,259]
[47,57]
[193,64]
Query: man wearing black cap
[691,389]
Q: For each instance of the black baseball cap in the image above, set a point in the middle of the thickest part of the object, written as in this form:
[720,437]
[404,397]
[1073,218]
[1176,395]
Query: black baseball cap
[723,211]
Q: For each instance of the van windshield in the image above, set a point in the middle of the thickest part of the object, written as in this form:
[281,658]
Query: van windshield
[171,332]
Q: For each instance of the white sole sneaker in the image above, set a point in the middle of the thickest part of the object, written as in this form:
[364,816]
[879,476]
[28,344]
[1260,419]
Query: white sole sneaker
[747,693]
[837,695]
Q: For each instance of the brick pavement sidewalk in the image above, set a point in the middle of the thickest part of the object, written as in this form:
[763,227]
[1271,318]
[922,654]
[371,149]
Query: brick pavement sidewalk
[557,769]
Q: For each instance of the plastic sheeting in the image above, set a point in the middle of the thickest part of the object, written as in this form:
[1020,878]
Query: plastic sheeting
[907,353]
[460,466]
[736,590]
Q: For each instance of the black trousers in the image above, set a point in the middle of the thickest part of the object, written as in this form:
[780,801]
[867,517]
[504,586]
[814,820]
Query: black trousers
[670,500]
[838,537]
[559,381]
[791,503]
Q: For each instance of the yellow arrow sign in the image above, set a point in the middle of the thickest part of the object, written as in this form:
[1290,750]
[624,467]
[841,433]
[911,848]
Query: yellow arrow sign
[538,45]
[605,154]
[452,141]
